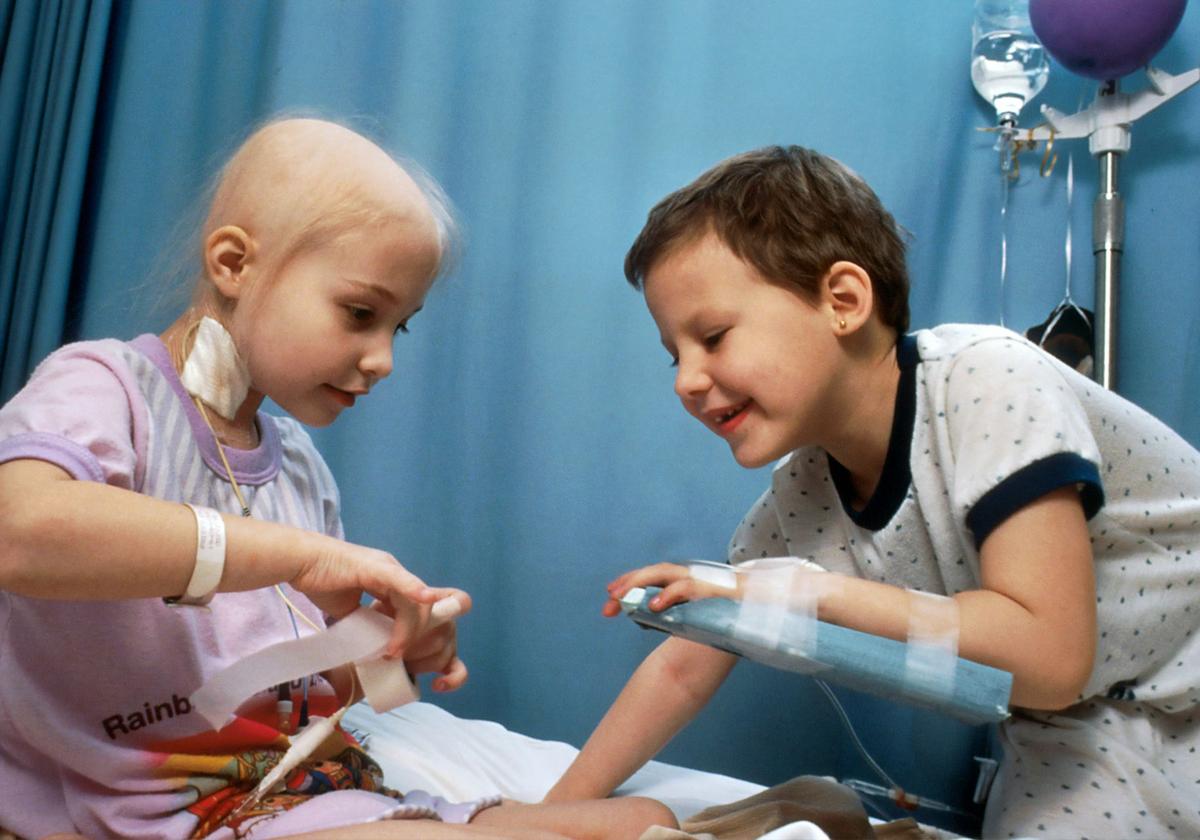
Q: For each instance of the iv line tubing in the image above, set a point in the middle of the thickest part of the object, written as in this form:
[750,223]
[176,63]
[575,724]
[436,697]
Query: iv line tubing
[862,787]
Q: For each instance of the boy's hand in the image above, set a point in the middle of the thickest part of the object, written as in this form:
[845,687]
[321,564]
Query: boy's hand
[677,584]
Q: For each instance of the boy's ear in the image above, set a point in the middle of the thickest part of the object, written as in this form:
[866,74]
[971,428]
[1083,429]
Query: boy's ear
[228,255]
[846,289]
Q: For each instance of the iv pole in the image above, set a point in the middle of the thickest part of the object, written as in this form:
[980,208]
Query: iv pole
[1108,244]
[1106,123]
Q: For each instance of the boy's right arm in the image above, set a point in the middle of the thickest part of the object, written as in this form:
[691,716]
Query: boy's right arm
[666,691]
[83,540]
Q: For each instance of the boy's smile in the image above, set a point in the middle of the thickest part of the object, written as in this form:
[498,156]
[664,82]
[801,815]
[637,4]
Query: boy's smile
[757,364]
[725,420]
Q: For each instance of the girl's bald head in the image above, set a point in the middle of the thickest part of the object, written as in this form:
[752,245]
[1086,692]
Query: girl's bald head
[297,183]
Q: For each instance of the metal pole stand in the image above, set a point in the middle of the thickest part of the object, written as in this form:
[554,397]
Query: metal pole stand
[1106,123]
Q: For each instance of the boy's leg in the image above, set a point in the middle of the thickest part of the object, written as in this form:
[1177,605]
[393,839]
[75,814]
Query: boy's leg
[594,819]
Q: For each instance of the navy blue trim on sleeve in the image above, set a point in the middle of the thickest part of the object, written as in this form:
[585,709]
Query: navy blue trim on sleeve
[1030,483]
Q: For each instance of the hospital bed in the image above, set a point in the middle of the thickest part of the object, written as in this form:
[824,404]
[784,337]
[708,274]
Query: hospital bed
[421,746]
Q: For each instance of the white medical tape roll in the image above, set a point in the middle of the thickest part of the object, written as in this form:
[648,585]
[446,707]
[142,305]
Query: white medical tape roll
[386,683]
[359,638]
[931,657]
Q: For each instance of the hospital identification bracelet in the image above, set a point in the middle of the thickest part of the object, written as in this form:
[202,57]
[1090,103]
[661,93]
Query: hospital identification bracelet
[210,559]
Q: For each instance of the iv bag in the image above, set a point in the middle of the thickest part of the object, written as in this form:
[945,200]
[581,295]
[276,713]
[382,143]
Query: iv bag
[1009,67]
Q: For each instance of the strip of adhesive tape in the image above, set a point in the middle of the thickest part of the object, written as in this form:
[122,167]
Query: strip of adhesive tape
[718,574]
[359,638]
[768,599]
[778,588]
[931,657]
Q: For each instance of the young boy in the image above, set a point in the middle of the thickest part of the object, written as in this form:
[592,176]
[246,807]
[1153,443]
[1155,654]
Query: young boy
[1061,521]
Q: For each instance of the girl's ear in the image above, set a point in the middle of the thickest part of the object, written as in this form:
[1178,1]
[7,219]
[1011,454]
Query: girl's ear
[228,257]
[846,289]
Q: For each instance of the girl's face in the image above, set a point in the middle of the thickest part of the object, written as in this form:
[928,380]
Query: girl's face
[757,364]
[318,334]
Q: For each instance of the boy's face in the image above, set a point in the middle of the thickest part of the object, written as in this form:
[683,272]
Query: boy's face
[757,364]
[319,333]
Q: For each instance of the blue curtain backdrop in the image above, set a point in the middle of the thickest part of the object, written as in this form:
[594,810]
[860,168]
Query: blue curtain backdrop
[529,447]
[50,71]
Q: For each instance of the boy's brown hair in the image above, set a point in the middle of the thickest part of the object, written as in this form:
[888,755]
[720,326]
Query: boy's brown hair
[791,213]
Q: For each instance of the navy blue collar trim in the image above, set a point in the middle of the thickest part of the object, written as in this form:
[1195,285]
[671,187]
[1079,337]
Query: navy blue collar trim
[908,356]
[897,467]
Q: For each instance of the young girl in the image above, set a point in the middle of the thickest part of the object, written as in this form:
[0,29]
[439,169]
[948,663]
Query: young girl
[1060,522]
[139,480]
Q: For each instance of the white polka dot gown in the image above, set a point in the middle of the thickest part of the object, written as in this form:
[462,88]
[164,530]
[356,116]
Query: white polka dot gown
[985,423]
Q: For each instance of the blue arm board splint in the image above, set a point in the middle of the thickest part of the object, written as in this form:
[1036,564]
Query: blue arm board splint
[857,660]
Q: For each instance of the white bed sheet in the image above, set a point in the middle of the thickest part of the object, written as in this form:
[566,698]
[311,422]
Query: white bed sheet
[423,746]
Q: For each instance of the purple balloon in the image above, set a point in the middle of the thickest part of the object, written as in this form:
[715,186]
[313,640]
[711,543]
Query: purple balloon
[1104,39]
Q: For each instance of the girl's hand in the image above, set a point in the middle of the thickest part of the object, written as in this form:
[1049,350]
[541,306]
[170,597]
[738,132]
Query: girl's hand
[432,645]
[340,573]
[677,585]
[436,652]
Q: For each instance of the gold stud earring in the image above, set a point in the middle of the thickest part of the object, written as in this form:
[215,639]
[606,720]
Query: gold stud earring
[842,323]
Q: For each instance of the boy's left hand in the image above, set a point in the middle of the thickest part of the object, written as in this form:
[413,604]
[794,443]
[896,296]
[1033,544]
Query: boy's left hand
[677,586]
